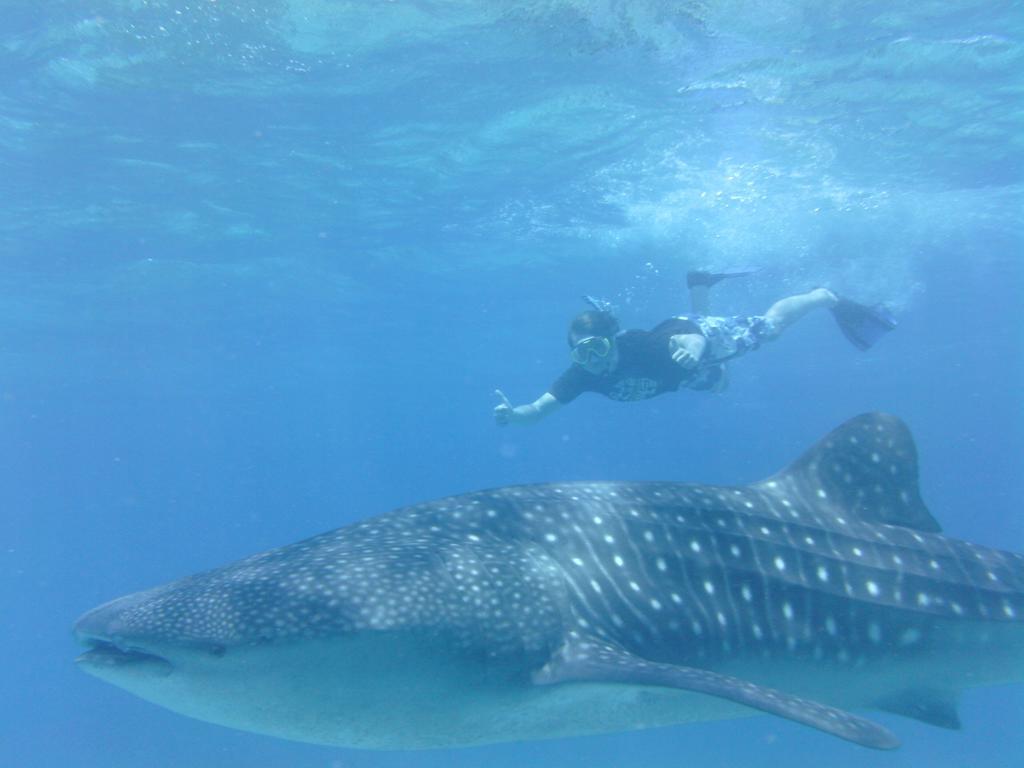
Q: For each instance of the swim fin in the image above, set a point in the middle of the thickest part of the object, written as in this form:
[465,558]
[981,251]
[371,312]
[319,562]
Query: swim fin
[707,278]
[862,325]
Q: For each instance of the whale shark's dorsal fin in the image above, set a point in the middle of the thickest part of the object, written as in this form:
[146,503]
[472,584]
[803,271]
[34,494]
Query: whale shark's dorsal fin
[866,468]
[587,661]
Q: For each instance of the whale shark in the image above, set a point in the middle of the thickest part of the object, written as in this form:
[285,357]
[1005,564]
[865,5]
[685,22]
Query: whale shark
[570,608]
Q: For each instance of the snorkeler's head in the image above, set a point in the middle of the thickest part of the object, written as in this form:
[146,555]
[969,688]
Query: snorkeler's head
[592,323]
[592,341]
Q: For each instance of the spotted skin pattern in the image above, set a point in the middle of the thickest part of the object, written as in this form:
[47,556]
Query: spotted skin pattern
[833,564]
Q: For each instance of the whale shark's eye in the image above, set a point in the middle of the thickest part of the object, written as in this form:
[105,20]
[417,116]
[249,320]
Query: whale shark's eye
[217,650]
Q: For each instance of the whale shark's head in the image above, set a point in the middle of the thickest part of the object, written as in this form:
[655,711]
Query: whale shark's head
[313,589]
[335,639]
[120,651]
[244,648]
[345,686]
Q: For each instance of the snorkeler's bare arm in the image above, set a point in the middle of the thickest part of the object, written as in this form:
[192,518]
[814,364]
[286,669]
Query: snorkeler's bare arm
[506,413]
[687,349]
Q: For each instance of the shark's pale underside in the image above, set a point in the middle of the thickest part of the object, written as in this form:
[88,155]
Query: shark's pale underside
[551,610]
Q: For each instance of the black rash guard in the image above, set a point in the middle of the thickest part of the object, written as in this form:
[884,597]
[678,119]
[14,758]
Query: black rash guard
[645,368]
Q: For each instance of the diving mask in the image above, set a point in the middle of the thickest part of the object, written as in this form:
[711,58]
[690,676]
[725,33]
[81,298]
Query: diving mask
[591,346]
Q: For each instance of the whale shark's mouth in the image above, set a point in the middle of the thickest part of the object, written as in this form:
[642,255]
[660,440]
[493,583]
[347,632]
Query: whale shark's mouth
[104,655]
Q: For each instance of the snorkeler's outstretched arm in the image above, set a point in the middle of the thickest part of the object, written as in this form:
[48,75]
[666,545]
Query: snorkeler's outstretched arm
[506,413]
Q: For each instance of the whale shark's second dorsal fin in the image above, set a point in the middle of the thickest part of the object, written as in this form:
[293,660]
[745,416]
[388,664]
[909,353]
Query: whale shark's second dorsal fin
[866,468]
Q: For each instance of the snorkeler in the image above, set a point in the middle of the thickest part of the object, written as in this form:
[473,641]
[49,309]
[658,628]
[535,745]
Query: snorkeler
[687,351]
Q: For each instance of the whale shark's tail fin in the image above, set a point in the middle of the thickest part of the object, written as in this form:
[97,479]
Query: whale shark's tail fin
[865,468]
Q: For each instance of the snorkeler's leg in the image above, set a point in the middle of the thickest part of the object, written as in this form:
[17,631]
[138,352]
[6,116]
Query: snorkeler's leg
[700,299]
[723,381]
[787,311]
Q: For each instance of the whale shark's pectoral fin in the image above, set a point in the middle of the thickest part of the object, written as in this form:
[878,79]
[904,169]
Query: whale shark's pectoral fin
[602,663]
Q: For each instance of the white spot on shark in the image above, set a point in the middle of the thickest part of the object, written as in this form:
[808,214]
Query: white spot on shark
[910,637]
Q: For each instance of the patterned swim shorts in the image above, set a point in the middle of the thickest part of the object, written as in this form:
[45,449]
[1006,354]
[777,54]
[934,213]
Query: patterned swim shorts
[730,337]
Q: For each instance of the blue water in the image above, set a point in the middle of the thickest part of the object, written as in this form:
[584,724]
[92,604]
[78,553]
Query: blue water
[264,263]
